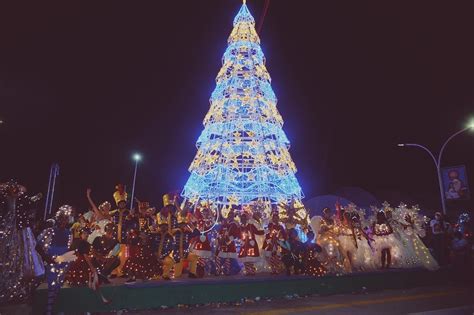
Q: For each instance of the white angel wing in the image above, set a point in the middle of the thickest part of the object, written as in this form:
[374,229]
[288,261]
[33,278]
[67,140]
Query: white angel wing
[315,224]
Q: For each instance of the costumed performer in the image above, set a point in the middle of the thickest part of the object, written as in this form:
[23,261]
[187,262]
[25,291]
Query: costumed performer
[163,246]
[105,250]
[228,232]
[275,231]
[20,264]
[327,231]
[142,263]
[249,253]
[53,246]
[122,218]
[81,272]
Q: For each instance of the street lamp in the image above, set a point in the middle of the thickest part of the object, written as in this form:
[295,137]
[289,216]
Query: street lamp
[137,158]
[437,161]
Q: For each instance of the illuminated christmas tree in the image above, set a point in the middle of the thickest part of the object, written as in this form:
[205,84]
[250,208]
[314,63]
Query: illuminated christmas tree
[242,156]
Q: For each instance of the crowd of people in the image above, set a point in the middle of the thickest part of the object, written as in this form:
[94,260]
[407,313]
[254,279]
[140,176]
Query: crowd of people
[90,248]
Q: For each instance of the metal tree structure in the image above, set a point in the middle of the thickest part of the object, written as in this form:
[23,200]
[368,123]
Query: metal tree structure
[242,154]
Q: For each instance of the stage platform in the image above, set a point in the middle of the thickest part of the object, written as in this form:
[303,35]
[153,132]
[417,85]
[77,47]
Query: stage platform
[159,293]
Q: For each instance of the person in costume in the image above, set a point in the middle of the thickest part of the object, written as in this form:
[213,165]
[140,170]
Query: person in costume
[123,220]
[416,253]
[20,264]
[162,246]
[142,263]
[327,231]
[228,232]
[54,247]
[249,253]
[312,265]
[292,253]
[384,239]
[271,249]
[105,251]
[348,242]
[365,242]
[354,242]
[201,244]
[169,211]
[81,271]
[183,235]
[76,229]
[100,219]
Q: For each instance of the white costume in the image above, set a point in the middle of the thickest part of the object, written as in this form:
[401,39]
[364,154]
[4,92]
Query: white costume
[99,231]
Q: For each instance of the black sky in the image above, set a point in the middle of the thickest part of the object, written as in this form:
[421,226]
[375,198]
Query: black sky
[88,83]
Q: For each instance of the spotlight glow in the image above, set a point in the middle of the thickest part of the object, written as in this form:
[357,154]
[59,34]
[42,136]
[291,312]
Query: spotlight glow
[137,157]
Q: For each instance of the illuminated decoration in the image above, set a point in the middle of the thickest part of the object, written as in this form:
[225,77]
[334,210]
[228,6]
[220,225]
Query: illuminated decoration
[20,264]
[242,154]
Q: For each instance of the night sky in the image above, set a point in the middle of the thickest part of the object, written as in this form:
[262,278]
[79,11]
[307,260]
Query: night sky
[88,84]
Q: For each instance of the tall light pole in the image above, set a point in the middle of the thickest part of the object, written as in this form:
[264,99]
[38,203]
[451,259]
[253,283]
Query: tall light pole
[137,158]
[437,161]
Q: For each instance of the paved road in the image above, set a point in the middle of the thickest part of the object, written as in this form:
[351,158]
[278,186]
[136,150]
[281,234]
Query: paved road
[427,300]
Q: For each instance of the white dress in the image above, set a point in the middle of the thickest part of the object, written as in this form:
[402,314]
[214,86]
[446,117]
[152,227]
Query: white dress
[386,239]
[415,253]
[365,253]
[327,238]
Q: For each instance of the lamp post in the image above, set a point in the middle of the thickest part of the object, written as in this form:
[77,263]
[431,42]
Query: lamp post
[136,157]
[437,161]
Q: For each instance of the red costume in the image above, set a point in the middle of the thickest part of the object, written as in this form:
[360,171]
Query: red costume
[272,249]
[202,244]
[228,232]
[249,251]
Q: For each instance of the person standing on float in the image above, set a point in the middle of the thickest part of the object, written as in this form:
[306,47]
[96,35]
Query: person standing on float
[182,238]
[122,218]
[54,247]
[249,253]
[201,243]
[271,248]
[228,232]
[162,246]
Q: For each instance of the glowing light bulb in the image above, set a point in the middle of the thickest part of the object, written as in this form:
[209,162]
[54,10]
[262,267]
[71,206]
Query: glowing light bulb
[137,157]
